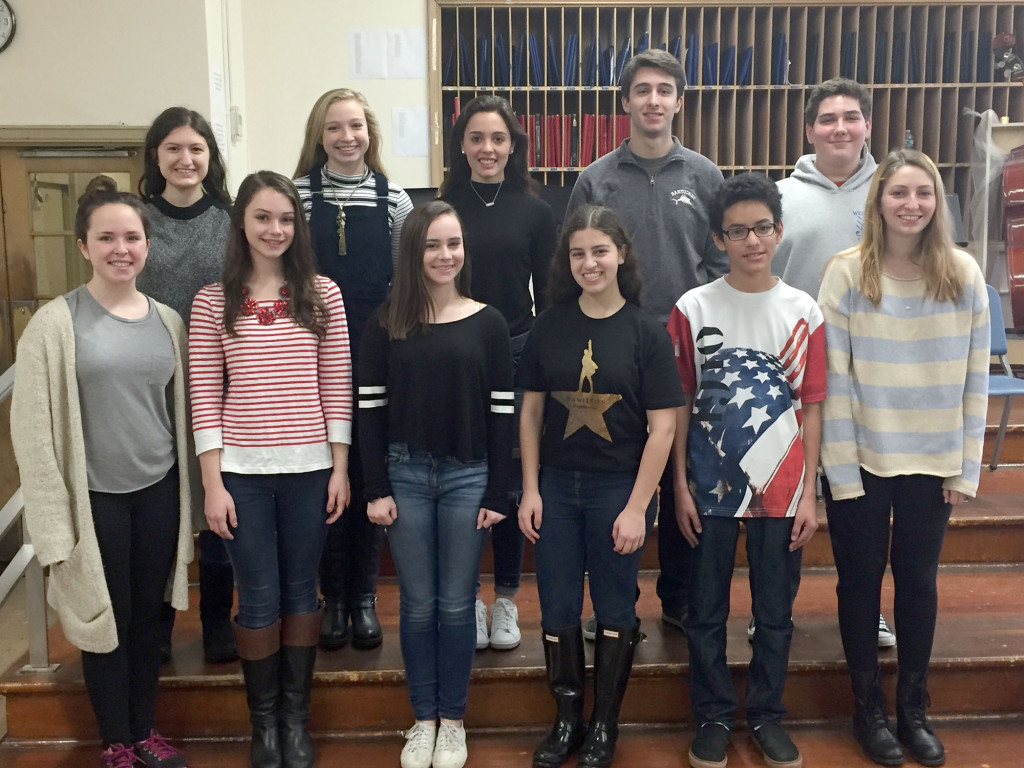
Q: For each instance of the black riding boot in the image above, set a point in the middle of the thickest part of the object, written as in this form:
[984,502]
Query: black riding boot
[563,655]
[299,634]
[260,653]
[613,660]
[870,722]
[912,724]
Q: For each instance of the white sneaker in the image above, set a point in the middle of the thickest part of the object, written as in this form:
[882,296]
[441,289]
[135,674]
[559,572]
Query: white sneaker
[419,745]
[886,638]
[450,749]
[482,638]
[590,628]
[505,633]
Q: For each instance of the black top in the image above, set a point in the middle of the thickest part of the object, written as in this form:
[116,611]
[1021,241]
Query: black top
[600,376]
[508,243]
[446,391]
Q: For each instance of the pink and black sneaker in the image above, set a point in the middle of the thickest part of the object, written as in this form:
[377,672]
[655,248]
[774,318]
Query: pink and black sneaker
[155,752]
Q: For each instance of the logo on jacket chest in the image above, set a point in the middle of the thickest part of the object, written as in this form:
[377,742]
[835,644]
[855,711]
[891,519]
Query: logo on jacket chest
[683,197]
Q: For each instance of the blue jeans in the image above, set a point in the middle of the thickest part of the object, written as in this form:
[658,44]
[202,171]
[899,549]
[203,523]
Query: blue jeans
[436,548]
[282,525]
[575,537]
[774,572]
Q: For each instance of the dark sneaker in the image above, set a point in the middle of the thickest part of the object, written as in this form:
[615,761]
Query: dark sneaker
[778,749]
[708,749]
[675,619]
[155,752]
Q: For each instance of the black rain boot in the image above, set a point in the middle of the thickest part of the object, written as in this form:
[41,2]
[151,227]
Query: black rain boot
[259,650]
[870,722]
[216,595]
[299,635]
[912,725]
[613,660]
[563,655]
[334,629]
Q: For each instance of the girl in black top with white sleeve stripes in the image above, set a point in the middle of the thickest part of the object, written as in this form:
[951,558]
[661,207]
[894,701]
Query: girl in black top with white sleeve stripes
[435,431]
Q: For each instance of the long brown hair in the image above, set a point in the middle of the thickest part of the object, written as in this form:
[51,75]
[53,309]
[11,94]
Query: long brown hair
[406,309]
[562,286]
[298,262]
[152,184]
[516,172]
[313,155]
[936,247]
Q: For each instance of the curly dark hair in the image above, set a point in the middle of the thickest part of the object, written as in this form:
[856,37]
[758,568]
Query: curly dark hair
[562,286]
[740,188]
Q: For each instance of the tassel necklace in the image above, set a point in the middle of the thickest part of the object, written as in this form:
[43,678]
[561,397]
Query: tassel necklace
[266,315]
[342,245]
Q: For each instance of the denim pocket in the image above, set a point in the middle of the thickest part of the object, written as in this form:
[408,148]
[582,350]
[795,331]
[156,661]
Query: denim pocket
[398,453]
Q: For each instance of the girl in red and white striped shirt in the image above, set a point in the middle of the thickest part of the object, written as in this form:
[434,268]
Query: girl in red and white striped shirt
[270,378]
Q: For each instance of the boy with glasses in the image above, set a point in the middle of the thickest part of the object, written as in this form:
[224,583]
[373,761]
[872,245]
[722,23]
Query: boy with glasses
[751,356]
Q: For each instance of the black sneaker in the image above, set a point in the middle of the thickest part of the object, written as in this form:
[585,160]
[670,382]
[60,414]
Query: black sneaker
[708,749]
[778,749]
[675,619]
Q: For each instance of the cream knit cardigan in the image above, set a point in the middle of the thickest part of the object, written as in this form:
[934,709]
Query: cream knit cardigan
[46,428]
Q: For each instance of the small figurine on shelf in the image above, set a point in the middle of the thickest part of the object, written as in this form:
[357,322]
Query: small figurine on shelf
[1008,63]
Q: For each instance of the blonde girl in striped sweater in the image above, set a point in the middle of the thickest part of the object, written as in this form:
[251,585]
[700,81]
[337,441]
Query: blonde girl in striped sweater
[907,341]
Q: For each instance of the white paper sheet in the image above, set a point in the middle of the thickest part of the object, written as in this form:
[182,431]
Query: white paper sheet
[368,54]
[409,132]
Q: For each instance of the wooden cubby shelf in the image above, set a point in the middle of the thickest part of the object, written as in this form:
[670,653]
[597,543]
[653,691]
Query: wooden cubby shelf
[749,67]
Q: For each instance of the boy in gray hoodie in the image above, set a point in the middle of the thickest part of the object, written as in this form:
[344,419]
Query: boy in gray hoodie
[823,199]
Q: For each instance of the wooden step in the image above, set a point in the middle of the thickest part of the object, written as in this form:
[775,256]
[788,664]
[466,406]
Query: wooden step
[978,668]
[988,529]
[969,743]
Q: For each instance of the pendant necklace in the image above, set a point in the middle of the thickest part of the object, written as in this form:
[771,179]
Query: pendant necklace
[486,204]
[342,246]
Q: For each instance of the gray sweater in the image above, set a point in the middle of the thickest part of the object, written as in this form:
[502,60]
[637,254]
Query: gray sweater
[667,218]
[186,251]
[819,220]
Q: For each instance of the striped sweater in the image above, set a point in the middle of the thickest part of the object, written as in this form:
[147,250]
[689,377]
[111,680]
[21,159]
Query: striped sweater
[288,394]
[907,380]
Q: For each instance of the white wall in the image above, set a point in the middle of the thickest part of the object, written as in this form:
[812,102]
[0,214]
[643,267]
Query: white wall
[115,62]
[103,63]
[292,56]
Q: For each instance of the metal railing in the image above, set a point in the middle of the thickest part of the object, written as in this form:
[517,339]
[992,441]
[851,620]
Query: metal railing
[25,564]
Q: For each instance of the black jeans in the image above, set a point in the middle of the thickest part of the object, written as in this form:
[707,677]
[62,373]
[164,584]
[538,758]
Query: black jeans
[138,537]
[860,533]
[774,571]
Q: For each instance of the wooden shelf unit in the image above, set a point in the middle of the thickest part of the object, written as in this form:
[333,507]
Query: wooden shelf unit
[758,126]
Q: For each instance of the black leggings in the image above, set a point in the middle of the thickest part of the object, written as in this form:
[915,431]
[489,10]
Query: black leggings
[138,538]
[859,529]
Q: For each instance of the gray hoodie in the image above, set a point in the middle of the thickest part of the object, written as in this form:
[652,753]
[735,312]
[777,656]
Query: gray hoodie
[666,216]
[819,220]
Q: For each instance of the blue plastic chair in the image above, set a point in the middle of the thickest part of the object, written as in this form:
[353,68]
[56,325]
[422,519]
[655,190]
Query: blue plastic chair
[1003,384]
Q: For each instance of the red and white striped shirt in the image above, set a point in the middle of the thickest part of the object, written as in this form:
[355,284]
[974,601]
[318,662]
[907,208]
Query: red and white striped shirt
[288,394]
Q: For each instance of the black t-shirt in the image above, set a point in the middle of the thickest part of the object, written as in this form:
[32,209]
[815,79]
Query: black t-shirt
[600,376]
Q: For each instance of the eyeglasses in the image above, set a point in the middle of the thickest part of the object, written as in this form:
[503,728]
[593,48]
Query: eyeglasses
[761,229]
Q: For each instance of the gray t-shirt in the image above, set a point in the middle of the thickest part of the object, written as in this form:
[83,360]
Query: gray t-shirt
[123,369]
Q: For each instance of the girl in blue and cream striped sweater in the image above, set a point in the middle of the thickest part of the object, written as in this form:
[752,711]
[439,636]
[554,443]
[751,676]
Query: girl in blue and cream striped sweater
[907,340]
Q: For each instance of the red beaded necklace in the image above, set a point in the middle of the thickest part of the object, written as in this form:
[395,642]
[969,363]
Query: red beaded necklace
[266,315]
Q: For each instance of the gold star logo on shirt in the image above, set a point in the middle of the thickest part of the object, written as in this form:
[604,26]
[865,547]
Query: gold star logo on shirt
[586,409]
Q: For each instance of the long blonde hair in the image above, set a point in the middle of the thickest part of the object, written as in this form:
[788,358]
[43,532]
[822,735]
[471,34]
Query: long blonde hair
[943,281]
[313,155]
